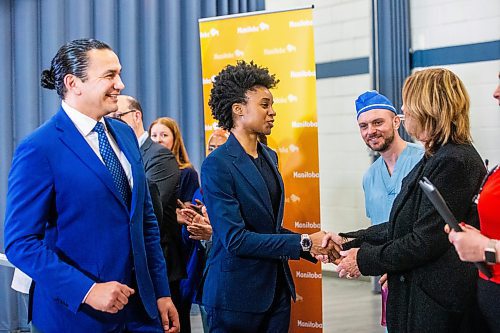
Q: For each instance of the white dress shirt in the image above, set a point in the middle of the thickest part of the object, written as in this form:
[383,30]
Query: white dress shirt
[142,138]
[21,282]
[85,126]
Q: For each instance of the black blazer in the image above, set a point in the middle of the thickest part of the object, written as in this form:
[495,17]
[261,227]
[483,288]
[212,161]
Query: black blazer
[156,200]
[430,289]
[162,169]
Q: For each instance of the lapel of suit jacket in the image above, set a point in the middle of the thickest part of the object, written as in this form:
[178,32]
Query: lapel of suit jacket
[274,167]
[146,145]
[249,171]
[133,157]
[72,139]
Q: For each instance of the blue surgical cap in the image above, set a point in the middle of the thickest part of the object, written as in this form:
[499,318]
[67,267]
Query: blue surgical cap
[372,100]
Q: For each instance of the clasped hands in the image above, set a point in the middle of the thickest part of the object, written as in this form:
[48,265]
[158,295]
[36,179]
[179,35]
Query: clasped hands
[330,251]
[324,248]
[196,219]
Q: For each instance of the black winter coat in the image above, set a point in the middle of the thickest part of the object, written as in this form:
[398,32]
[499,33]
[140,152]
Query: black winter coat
[430,289]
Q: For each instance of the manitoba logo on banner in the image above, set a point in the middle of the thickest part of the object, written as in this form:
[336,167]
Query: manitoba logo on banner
[284,43]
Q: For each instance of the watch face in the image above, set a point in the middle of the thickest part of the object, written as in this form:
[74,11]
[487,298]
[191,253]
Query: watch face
[306,243]
[490,257]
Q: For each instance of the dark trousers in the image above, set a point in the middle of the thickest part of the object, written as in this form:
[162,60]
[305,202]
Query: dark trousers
[183,306]
[185,316]
[274,320]
[488,294]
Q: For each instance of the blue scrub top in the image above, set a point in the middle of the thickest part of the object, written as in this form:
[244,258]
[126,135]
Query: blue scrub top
[381,188]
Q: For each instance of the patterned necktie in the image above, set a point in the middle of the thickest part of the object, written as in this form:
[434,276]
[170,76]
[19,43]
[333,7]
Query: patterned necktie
[113,164]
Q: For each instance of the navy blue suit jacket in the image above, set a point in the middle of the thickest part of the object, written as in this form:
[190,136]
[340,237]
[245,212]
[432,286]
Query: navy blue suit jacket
[67,226]
[249,245]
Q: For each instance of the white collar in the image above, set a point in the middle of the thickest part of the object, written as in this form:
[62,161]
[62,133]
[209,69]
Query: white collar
[143,138]
[83,123]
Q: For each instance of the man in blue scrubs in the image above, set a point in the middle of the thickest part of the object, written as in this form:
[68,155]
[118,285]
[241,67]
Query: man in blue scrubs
[378,124]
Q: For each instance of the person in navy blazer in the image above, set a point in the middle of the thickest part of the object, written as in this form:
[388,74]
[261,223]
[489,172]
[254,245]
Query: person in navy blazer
[94,256]
[247,282]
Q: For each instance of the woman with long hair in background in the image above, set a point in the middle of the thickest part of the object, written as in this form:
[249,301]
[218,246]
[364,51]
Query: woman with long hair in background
[166,132]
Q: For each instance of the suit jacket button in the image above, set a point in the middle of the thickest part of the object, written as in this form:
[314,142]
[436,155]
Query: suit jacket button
[402,278]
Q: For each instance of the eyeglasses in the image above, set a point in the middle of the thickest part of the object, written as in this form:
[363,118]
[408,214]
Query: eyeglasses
[120,115]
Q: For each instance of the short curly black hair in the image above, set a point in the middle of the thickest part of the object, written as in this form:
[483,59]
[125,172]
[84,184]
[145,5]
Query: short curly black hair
[231,85]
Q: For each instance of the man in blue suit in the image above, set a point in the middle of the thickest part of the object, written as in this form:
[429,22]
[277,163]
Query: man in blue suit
[248,285]
[79,217]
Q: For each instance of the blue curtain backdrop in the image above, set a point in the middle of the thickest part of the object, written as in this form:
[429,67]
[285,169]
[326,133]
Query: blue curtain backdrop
[391,50]
[157,42]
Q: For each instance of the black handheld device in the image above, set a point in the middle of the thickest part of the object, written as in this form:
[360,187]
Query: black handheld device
[440,204]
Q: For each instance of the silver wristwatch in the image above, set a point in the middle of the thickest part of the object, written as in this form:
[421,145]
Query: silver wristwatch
[305,242]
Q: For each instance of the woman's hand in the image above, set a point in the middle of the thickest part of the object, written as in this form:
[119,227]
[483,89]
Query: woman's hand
[182,218]
[469,243]
[190,216]
[197,225]
[200,231]
[348,267]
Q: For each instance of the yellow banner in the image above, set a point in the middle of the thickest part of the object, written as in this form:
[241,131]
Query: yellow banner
[284,43]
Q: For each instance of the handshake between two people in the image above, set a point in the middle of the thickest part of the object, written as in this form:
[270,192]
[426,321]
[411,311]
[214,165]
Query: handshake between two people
[327,248]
